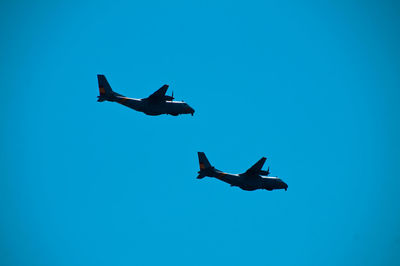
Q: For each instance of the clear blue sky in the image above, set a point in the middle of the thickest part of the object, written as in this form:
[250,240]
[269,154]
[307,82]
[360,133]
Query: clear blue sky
[313,86]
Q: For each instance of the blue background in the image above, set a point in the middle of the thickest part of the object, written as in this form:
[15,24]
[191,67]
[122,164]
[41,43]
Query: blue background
[314,86]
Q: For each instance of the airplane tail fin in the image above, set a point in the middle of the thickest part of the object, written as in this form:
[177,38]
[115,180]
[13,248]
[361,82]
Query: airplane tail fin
[105,89]
[205,165]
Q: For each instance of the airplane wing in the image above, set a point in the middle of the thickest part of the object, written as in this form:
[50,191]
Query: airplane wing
[160,93]
[257,167]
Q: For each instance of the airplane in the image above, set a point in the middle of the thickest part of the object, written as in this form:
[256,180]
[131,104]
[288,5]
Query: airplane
[254,178]
[156,104]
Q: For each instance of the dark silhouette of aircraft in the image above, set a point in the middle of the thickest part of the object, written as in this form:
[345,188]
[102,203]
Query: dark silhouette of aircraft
[254,178]
[156,104]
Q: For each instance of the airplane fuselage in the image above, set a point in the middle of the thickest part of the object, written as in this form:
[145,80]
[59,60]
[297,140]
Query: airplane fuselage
[250,182]
[150,107]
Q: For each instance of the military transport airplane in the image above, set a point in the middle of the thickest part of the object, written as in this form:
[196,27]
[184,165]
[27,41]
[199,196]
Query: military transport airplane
[254,178]
[156,104]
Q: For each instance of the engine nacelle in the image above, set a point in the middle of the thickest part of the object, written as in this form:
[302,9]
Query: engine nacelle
[168,98]
[262,172]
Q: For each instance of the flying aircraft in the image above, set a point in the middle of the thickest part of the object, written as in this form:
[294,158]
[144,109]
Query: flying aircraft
[254,178]
[156,104]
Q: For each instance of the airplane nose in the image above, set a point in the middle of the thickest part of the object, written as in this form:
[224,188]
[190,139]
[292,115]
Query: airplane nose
[283,185]
[191,110]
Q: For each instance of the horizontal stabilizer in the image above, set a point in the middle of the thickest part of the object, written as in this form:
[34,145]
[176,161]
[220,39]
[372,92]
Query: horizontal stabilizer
[200,176]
